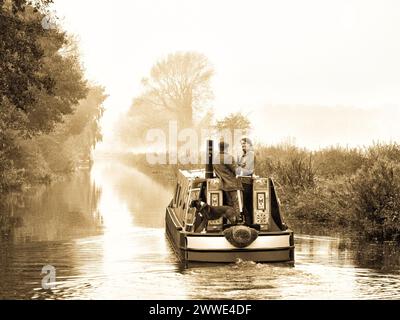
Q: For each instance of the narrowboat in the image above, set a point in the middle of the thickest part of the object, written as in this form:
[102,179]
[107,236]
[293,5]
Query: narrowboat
[265,239]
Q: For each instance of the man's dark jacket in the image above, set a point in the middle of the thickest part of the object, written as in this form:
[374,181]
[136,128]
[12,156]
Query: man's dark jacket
[225,168]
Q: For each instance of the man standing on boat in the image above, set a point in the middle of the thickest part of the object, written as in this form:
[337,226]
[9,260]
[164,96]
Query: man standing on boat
[245,170]
[246,162]
[225,168]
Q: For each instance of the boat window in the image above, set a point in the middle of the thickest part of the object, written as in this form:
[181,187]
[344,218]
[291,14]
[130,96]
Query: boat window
[177,193]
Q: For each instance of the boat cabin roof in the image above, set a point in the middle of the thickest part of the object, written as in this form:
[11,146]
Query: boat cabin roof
[193,174]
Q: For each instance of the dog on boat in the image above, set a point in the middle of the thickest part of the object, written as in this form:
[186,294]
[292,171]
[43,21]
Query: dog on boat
[205,212]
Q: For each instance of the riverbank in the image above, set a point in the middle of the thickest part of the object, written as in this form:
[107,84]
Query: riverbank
[339,187]
[335,188]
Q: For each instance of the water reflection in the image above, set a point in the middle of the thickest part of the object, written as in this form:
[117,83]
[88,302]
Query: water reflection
[104,233]
[65,210]
[143,199]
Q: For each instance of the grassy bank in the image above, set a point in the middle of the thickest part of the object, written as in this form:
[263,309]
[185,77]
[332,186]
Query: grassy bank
[338,187]
[333,188]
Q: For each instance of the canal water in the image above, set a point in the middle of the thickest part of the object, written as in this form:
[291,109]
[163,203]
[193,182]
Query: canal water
[103,232]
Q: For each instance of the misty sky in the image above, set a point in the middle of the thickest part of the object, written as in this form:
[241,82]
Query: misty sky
[326,72]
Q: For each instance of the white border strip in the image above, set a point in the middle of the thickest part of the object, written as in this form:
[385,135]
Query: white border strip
[220,243]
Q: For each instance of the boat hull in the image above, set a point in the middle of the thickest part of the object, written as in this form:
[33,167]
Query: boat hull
[213,247]
[283,255]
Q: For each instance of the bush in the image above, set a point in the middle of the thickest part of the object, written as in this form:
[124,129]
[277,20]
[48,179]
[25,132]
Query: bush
[338,186]
[30,157]
[11,179]
[375,192]
[288,165]
[326,203]
[337,161]
[378,151]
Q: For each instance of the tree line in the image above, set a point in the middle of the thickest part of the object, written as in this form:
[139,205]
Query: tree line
[49,113]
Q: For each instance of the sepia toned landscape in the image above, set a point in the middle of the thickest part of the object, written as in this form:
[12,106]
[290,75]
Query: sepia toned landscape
[106,108]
